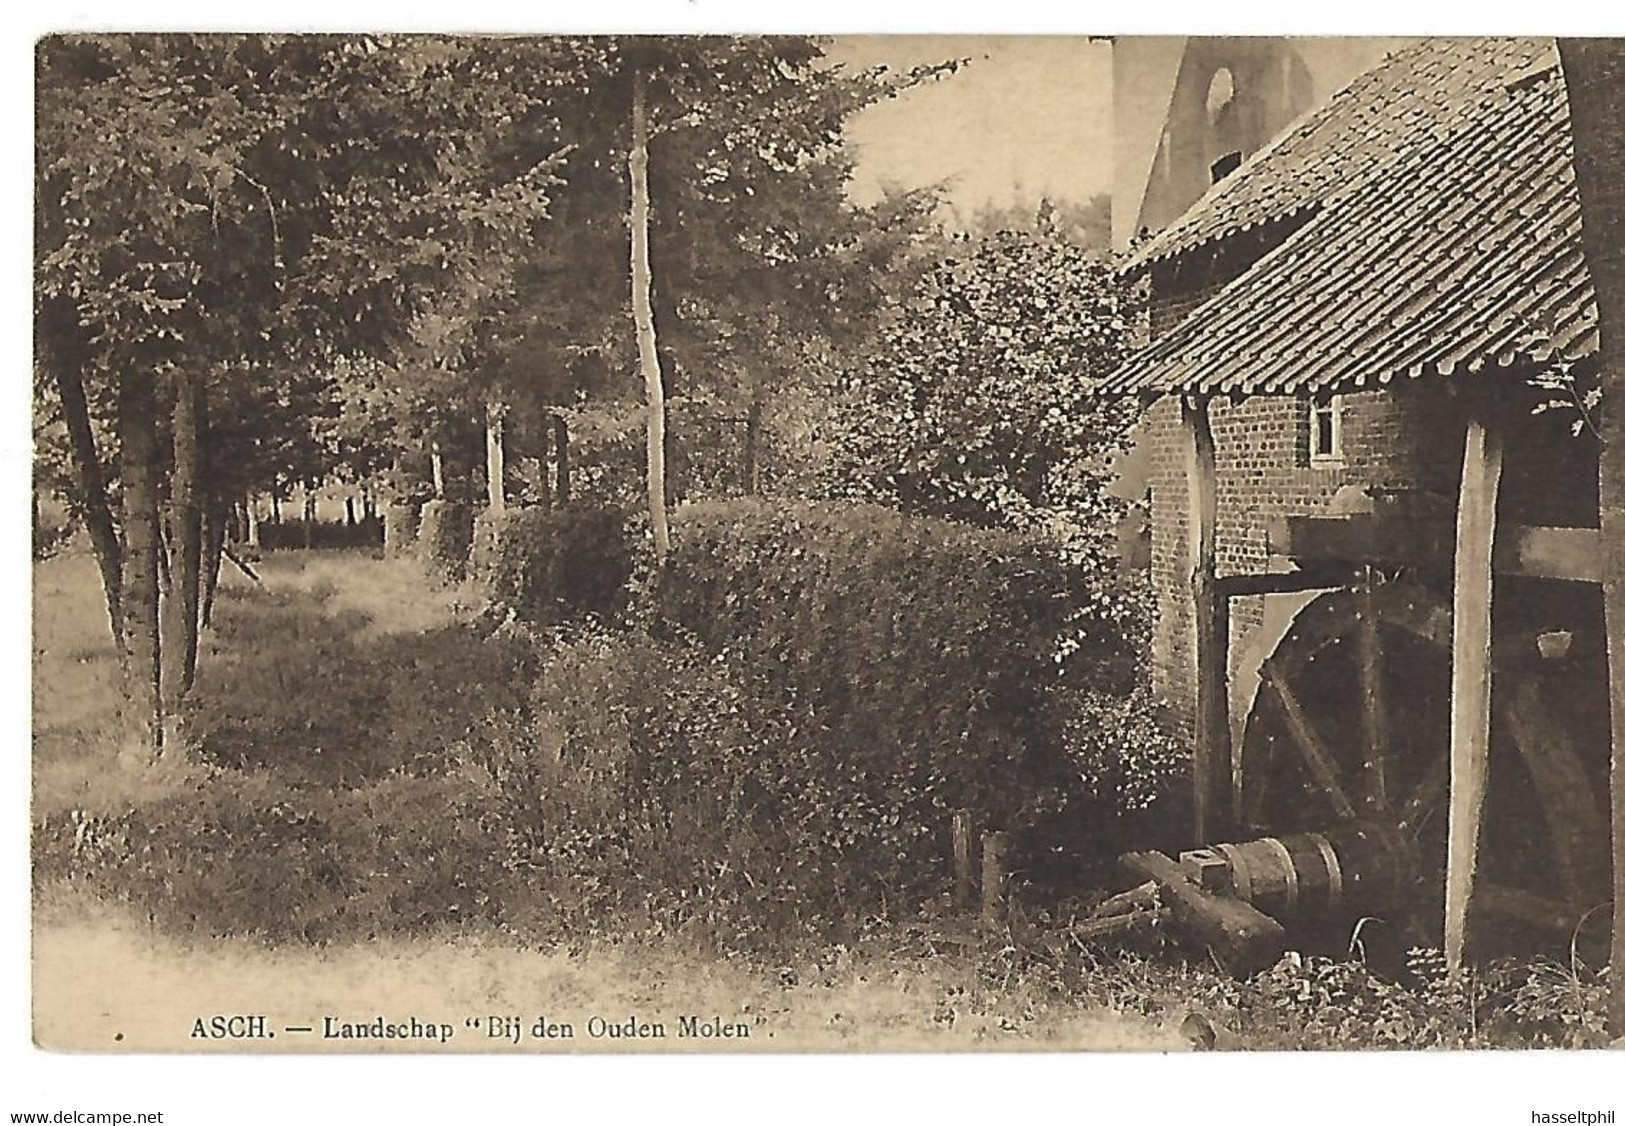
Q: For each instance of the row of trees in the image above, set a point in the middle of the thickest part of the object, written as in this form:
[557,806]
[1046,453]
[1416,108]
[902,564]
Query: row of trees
[263,260]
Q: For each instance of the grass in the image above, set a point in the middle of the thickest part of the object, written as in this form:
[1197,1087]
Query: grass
[318,698]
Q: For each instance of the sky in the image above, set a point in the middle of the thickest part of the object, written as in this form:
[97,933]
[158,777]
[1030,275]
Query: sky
[1027,117]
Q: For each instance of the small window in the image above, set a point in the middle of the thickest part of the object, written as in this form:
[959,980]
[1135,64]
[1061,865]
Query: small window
[1225,165]
[1326,431]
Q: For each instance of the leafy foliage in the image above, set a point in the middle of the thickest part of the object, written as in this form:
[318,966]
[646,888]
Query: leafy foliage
[555,565]
[979,404]
[445,536]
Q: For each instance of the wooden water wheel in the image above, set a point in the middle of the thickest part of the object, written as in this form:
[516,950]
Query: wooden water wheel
[1350,727]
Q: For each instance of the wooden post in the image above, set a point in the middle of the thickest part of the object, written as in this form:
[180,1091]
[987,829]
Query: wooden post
[964,864]
[994,876]
[1211,771]
[495,471]
[1470,674]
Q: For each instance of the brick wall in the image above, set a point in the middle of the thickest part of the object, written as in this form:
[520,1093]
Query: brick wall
[1408,436]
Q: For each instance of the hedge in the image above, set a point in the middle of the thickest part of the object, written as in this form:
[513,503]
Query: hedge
[554,565]
[489,525]
[445,533]
[927,648]
[401,526]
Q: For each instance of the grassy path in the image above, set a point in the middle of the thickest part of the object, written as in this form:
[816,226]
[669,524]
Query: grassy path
[105,980]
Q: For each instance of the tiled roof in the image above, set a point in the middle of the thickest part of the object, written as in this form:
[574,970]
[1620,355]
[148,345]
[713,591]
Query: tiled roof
[1410,98]
[1461,252]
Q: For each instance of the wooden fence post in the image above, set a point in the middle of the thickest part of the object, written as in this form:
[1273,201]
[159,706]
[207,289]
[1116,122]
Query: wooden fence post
[995,846]
[964,863]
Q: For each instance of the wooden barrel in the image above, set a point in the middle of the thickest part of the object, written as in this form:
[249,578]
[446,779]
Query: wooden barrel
[1351,868]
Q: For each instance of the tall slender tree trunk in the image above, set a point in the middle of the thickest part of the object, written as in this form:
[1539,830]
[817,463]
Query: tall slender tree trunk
[143,711]
[308,516]
[216,522]
[1594,71]
[186,525]
[643,318]
[561,451]
[495,469]
[437,470]
[251,520]
[87,468]
[753,446]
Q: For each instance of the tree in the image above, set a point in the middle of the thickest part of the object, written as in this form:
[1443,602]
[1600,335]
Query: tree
[1594,72]
[213,208]
[979,403]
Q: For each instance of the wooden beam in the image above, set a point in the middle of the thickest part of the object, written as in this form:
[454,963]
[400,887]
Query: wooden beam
[1210,627]
[1550,553]
[1283,582]
[1470,674]
[1374,696]
[1238,935]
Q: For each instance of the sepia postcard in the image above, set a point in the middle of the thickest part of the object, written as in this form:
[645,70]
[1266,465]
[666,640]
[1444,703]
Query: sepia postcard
[826,544]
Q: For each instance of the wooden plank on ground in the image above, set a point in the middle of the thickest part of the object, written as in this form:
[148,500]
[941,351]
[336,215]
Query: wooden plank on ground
[1239,935]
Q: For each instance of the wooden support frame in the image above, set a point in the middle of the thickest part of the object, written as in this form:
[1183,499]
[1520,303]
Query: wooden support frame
[1211,769]
[1470,682]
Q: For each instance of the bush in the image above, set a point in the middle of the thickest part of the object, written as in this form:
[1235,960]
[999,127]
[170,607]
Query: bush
[489,528]
[401,526]
[248,854]
[662,784]
[554,565]
[445,534]
[926,648]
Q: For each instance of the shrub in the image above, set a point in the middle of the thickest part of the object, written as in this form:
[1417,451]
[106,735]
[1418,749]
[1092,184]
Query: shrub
[659,782]
[445,532]
[401,525]
[488,530]
[554,565]
[925,647]
[248,854]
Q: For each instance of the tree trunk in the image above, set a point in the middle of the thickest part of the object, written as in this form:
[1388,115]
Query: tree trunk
[495,471]
[92,486]
[251,519]
[753,443]
[1594,72]
[215,525]
[143,713]
[643,319]
[308,516]
[276,508]
[561,450]
[437,470]
[546,481]
[186,526]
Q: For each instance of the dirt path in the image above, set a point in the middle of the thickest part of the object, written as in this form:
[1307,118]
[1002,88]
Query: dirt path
[105,983]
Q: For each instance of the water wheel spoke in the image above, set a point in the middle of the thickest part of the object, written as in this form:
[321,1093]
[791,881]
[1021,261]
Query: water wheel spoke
[1427,794]
[1255,774]
[1575,820]
[1538,911]
[1375,698]
[1317,756]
